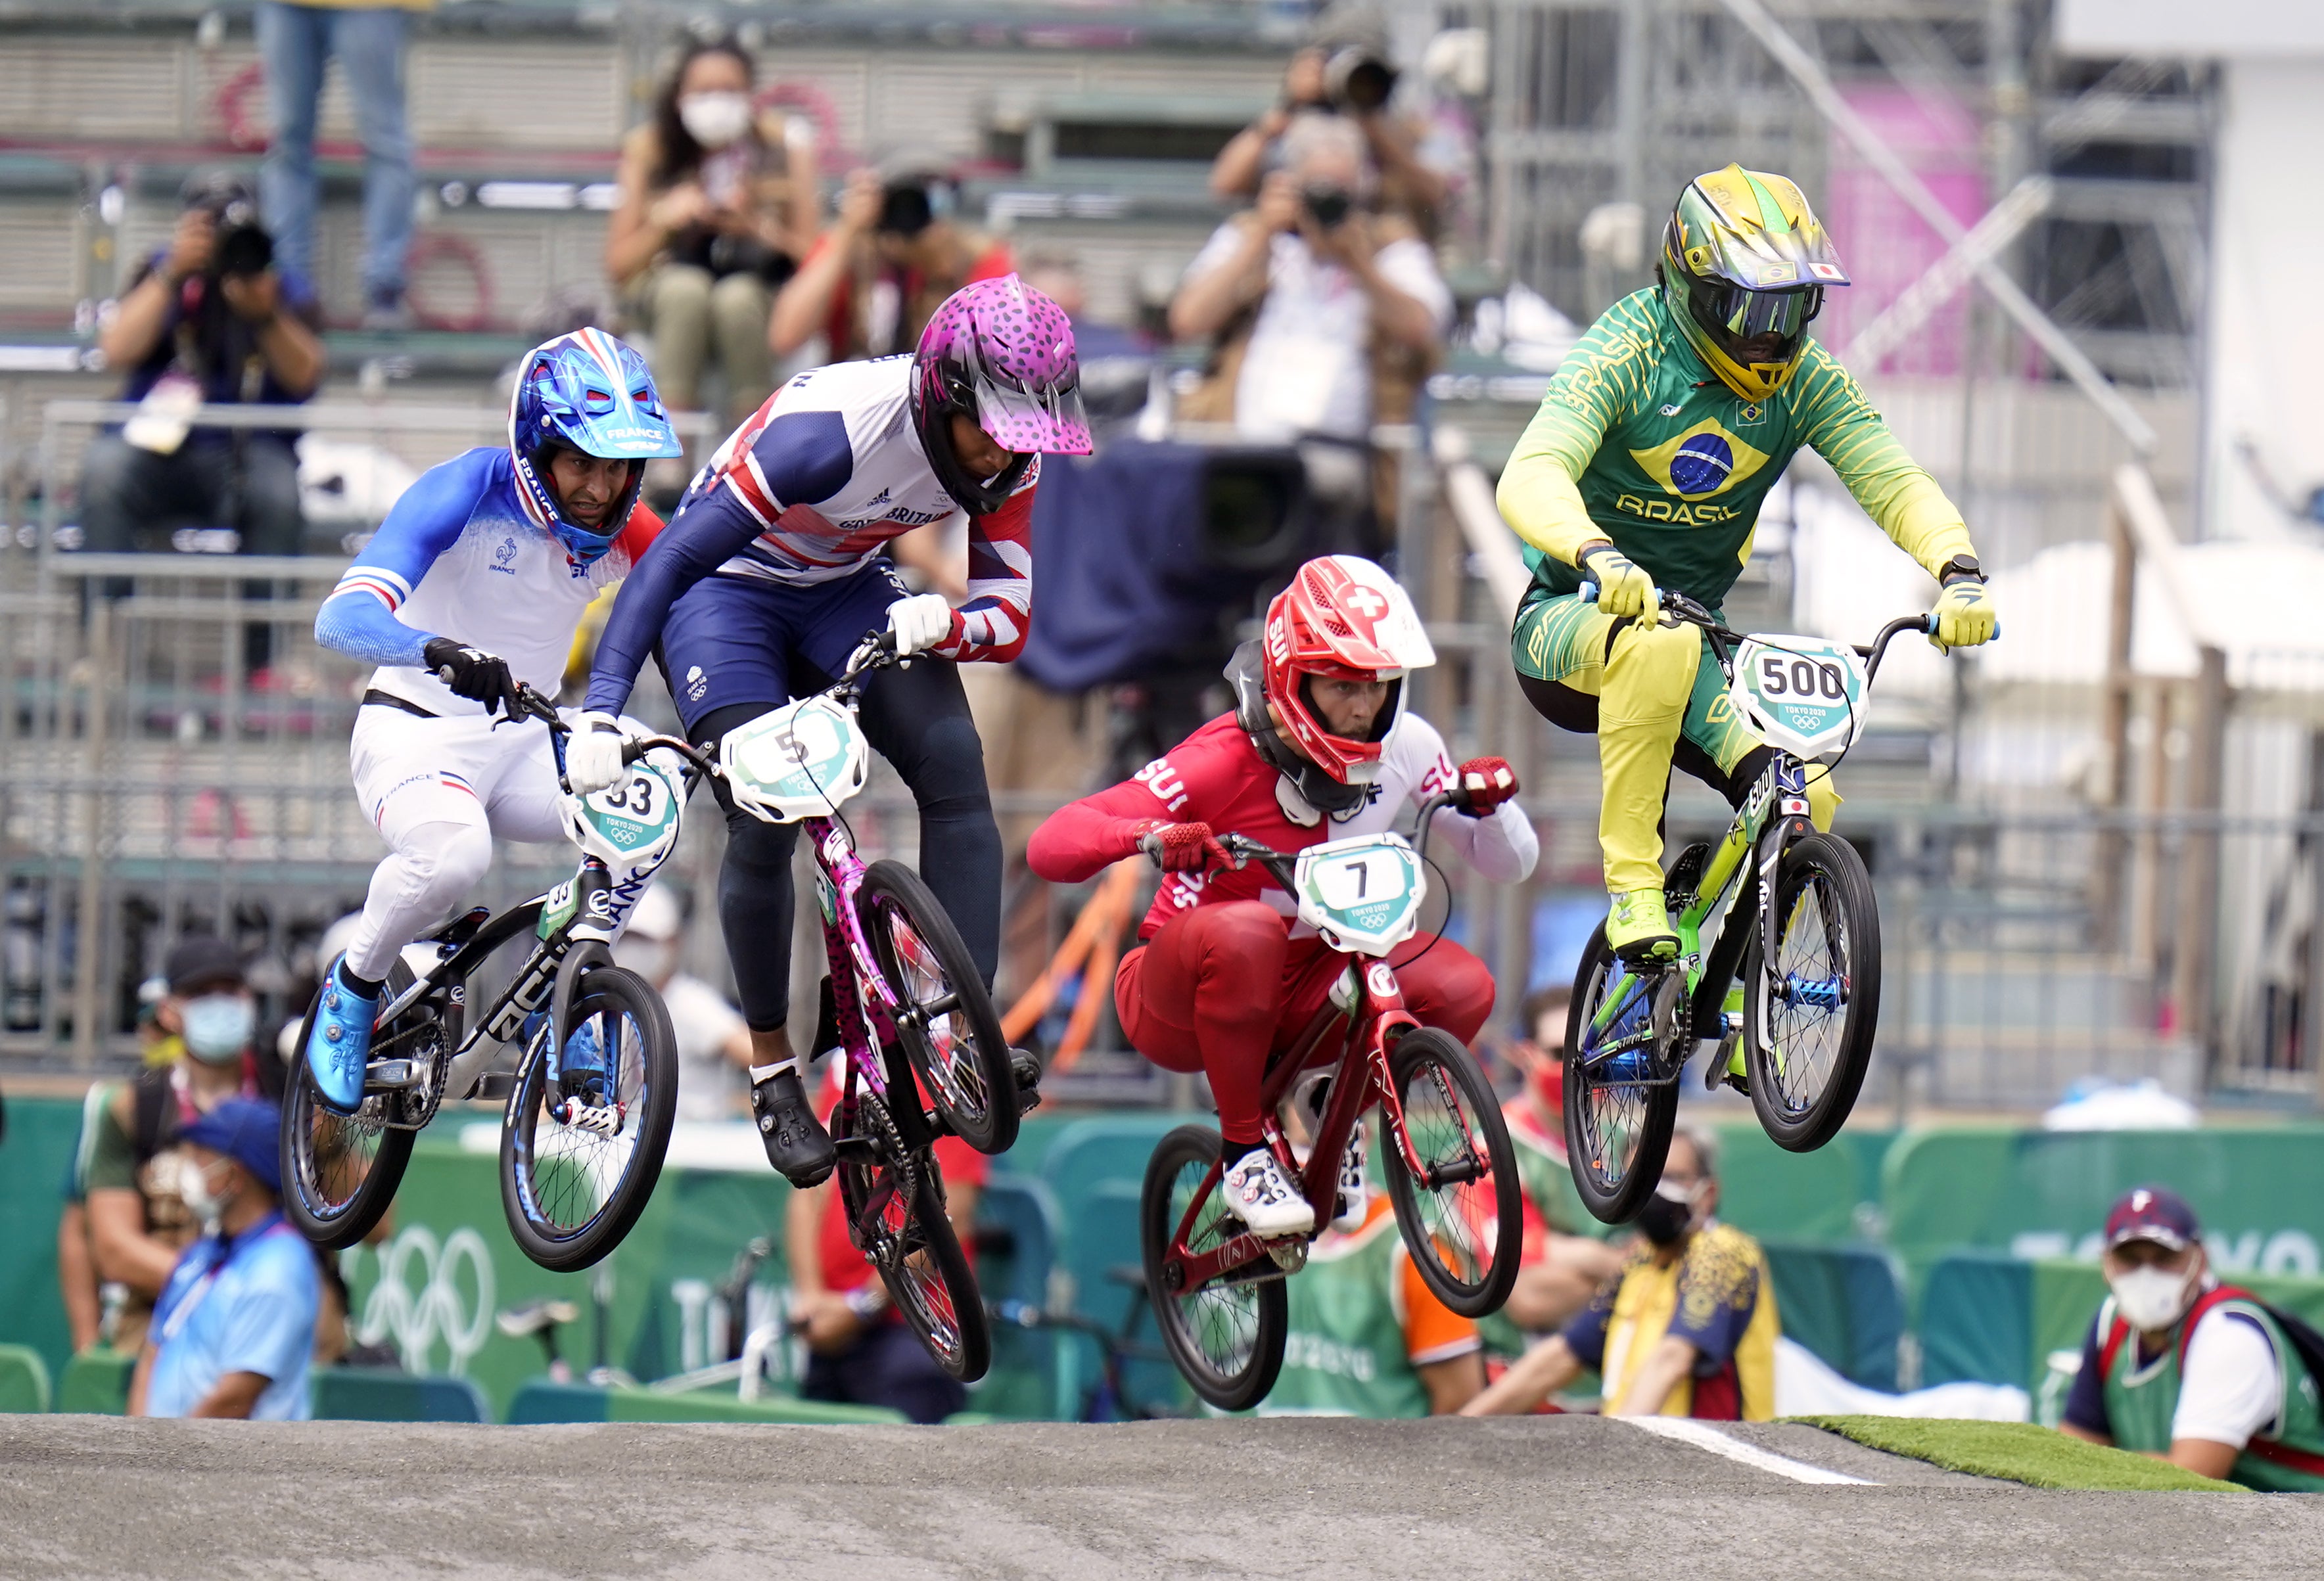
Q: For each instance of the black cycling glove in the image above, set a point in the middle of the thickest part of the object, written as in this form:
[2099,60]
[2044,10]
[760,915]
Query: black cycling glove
[473,674]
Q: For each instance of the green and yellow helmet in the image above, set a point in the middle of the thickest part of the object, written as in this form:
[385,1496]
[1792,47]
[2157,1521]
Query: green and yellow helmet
[1744,266]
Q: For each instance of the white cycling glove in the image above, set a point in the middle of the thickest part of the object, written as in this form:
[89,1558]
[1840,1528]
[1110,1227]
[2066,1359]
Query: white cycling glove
[920,622]
[592,753]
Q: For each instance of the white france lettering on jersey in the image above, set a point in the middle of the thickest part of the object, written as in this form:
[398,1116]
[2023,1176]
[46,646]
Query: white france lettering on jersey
[1163,780]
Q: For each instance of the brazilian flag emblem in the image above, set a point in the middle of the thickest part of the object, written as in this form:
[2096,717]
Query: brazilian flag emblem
[1703,462]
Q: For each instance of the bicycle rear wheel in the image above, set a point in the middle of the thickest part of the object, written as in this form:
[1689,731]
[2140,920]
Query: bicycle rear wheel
[1618,1125]
[340,1171]
[1226,1338]
[944,1015]
[895,1208]
[1821,999]
[1466,1230]
[577,1171]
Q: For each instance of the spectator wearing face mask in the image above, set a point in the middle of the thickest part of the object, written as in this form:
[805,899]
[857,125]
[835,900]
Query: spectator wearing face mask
[1565,1258]
[2184,1368]
[717,203]
[233,1333]
[714,1042]
[138,1215]
[1688,1327]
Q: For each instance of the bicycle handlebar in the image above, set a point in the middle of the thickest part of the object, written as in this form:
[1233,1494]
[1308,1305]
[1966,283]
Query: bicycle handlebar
[1682,609]
[1243,849]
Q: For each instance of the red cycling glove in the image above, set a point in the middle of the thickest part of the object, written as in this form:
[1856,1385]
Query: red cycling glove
[1181,847]
[1487,783]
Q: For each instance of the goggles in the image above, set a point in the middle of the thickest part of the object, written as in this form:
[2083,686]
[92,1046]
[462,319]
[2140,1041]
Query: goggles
[1746,313]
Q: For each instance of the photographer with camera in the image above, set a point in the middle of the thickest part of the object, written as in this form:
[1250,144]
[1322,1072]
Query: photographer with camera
[1343,70]
[893,255]
[717,204]
[210,320]
[1325,320]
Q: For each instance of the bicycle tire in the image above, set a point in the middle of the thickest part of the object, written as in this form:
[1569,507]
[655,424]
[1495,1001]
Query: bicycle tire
[541,1169]
[1485,1216]
[913,1247]
[1641,1118]
[1261,1308]
[1827,870]
[975,1098]
[330,1220]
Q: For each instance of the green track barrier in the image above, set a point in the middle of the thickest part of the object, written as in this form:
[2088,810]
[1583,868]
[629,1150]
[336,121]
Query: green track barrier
[541,1401]
[23,1380]
[2259,1191]
[33,1159]
[96,1383]
[1976,1320]
[1844,1303]
[371,1394]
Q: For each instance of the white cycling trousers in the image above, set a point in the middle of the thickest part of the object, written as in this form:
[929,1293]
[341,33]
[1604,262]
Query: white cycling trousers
[440,792]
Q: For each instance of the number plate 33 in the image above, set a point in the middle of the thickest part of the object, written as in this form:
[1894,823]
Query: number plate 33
[1802,695]
[1361,894]
[632,825]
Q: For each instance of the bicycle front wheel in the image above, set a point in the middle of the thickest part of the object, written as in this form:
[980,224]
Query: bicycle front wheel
[1463,1220]
[340,1171]
[895,1208]
[1820,997]
[583,1139]
[944,1015]
[1618,1119]
[1226,1338]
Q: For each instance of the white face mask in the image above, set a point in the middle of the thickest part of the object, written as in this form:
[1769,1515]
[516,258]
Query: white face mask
[217,1026]
[194,1191]
[2152,1299]
[714,120]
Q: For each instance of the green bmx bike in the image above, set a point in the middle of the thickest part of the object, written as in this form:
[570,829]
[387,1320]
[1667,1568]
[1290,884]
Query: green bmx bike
[1786,909]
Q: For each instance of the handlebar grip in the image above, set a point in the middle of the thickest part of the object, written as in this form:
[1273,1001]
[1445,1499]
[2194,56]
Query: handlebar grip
[1589,592]
[634,750]
[1929,626]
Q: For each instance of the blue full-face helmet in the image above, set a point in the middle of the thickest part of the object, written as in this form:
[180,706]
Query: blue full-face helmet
[589,392]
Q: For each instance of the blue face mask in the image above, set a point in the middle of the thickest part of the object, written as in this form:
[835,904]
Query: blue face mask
[217,1026]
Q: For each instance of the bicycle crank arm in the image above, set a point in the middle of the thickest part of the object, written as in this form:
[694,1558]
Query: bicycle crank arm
[395,1075]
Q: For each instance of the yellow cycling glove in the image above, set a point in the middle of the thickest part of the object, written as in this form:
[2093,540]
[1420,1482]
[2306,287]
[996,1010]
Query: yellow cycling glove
[1965,615]
[1624,588]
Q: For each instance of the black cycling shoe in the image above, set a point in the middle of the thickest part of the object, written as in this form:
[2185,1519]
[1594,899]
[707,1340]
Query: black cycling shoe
[797,1144]
[1027,1070]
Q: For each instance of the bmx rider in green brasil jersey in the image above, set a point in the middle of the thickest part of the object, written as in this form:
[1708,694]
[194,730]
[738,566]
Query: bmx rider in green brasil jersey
[1645,468]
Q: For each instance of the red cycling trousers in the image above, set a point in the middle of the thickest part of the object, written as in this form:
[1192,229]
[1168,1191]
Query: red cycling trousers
[1222,987]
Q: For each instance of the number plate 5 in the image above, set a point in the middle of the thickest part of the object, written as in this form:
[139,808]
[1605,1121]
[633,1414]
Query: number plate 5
[1362,894]
[1804,694]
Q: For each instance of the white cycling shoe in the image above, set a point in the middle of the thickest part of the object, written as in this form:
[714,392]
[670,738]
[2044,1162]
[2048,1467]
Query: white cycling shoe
[1254,1191]
[1355,1196]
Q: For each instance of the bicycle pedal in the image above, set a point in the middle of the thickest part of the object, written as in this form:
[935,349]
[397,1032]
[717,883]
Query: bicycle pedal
[1026,1069]
[1291,1255]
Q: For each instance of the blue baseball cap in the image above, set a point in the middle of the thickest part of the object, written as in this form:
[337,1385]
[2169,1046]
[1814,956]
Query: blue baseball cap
[247,1130]
[2153,1213]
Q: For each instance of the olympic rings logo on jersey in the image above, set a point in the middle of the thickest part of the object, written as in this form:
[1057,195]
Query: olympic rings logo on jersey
[436,1308]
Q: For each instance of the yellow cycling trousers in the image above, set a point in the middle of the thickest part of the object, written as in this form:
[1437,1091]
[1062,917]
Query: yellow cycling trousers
[1654,697]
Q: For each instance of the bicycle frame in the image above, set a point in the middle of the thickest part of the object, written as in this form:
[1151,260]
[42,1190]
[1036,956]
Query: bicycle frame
[867,1025]
[1374,1018]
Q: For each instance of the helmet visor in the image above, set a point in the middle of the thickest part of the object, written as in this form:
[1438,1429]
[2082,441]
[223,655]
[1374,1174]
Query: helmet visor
[1748,314]
[1050,420]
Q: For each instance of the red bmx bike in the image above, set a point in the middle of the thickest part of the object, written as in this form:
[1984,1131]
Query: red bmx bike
[1217,1289]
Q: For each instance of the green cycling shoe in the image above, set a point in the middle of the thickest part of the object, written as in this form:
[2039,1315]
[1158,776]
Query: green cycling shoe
[1638,929]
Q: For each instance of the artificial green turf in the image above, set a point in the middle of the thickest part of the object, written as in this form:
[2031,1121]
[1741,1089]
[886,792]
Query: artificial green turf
[2017,1451]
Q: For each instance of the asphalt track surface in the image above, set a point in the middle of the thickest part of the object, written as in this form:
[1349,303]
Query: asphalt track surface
[1558,1497]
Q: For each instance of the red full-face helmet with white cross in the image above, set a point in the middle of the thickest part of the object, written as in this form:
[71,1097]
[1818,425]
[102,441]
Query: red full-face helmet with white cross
[1345,619]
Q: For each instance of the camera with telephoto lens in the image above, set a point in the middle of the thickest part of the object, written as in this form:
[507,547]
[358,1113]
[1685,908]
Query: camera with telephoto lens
[1328,204]
[243,247]
[1356,79]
